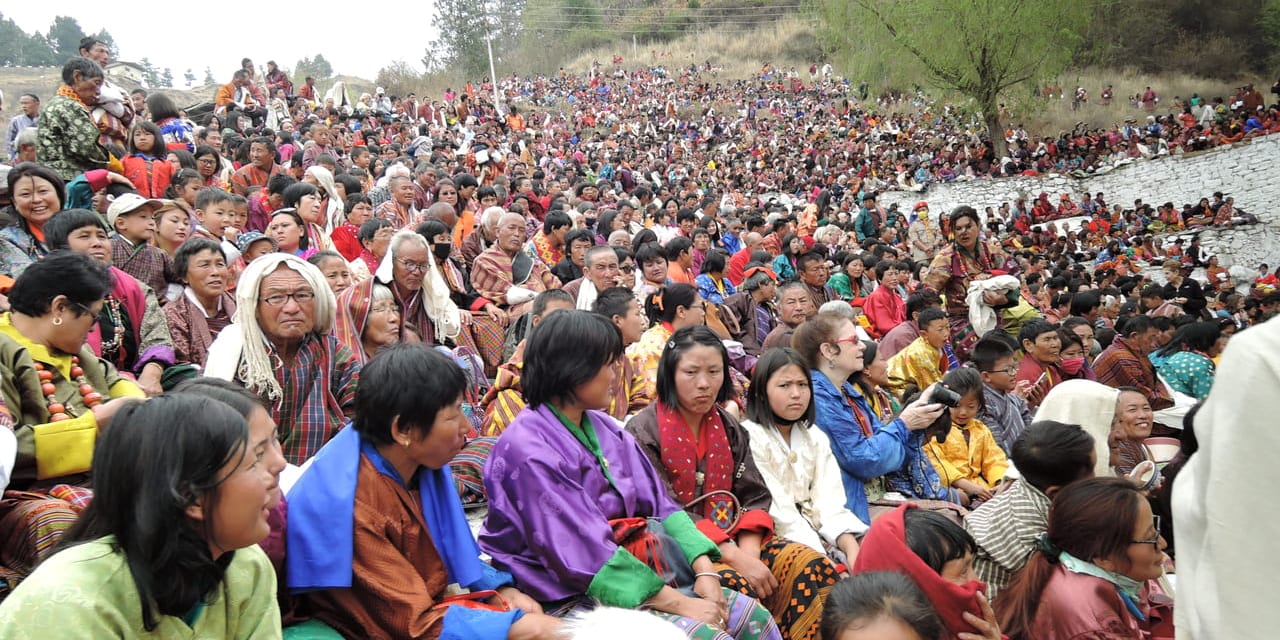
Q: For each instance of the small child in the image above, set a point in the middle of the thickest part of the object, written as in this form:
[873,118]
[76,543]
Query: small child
[146,165]
[969,459]
[133,218]
[215,212]
[923,362]
[1005,409]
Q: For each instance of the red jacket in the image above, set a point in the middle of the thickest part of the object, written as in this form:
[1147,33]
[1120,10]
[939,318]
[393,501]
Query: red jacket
[149,177]
[885,309]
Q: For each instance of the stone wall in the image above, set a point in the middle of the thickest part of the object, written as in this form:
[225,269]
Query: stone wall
[1245,171]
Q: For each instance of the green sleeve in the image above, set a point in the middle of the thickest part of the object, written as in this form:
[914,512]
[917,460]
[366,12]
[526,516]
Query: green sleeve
[691,541]
[624,581]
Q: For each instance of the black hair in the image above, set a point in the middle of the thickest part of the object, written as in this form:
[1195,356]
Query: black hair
[644,237]
[1134,325]
[987,351]
[185,159]
[143,505]
[158,149]
[614,301]
[759,410]
[161,107]
[677,246]
[661,305]
[304,239]
[578,235]
[180,178]
[1033,329]
[935,539]
[83,280]
[1084,302]
[369,229]
[865,597]
[265,141]
[544,300]
[63,223]
[564,351]
[807,258]
[206,150]
[681,341]
[317,259]
[294,193]
[554,220]
[190,249]
[351,185]
[279,183]
[34,170]
[1050,454]
[430,229]
[685,215]
[211,196]
[714,262]
[921,300]
[1200,336]
[965,211]
[966,381]
[930,315]
[439,381]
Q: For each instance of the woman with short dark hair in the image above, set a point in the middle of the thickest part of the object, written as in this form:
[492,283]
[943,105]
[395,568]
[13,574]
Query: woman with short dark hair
[205,306]
[356,541]
[168,547]
[607,520]
[877,604]
[704,457]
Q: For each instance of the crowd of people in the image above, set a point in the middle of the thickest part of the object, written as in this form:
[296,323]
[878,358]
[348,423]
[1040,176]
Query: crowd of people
[256,366]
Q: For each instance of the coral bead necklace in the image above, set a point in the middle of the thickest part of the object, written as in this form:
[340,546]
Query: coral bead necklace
[58,411]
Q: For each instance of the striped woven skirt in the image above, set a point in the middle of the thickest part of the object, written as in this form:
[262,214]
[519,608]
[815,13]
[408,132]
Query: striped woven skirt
[804,579]
[31,524]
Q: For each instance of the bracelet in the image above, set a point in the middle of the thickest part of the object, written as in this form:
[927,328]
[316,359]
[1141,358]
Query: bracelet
[706,574]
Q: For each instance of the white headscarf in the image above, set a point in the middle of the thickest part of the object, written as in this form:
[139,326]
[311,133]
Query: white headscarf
[240,350]
[435,292]
[337,213]
[1092,405]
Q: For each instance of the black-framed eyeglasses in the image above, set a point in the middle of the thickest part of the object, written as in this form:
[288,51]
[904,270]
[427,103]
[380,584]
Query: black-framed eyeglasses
[279,299]
[1011,370]
[1154,541]
[415,267]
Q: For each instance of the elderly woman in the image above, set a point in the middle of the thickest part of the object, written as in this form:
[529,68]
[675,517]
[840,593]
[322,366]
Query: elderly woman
[68,138]
[605,518]
[205,307]
[130,332]
[280,346]
[60,394]
[704,458]
[376,530]
[961,263]
[332,209]
[346,236]
[375,318]
[37,194]
[420,293]
[375,237]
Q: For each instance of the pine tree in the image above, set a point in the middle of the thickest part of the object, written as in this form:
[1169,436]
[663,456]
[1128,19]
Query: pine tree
[166,78]
[208,77]
[189,78]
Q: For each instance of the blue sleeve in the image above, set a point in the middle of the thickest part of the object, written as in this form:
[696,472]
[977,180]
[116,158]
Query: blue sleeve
[492,579]
[859,456]
[462,623]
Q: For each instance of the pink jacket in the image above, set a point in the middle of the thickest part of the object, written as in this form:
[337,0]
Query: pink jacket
[1075,606]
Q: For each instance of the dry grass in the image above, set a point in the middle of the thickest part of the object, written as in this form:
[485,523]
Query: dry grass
[739,54]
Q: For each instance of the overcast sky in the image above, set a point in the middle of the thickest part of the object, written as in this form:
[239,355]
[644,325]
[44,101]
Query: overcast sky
[285,34]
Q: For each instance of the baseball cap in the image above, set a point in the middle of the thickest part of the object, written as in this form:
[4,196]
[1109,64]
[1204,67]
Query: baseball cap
[247,239]
[128,203]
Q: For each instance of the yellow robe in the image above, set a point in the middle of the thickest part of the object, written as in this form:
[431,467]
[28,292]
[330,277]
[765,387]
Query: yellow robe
[978,458]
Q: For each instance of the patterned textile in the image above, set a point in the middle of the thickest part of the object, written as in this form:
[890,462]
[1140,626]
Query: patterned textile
[250,175]
[34,523]
[492,275]
[540,248]
[645,352]
[804,579]
[969,453]
[67,138]
[468,467]
[1120,366]
[696,464]
[951,272]
[398,216]
[486,336]
[18,247]
[747,620]
[146,263]
[1189,372]
[920,364]
[192,331]
[1006,528]
[712,291]
[319,390]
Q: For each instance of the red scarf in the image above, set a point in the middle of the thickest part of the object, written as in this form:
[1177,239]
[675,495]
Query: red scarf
[685,456]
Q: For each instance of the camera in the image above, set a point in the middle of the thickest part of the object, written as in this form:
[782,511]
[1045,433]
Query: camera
[944,396]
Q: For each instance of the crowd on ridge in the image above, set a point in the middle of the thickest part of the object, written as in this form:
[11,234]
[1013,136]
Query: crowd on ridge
[259,360]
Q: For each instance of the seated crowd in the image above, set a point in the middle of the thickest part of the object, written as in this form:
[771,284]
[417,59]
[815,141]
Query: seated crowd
[257,400]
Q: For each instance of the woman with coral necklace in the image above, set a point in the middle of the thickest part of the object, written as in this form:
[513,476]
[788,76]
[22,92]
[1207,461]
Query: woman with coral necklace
[60,394]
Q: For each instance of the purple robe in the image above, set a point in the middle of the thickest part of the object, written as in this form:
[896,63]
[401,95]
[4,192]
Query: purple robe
[550,502]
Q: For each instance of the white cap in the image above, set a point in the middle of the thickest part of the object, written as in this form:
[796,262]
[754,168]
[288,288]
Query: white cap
[127,202]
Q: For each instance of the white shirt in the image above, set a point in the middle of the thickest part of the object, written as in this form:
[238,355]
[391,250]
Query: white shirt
[1226,526]
[804,480]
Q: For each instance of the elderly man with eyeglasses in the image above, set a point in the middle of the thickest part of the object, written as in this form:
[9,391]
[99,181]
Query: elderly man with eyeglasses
[280,347]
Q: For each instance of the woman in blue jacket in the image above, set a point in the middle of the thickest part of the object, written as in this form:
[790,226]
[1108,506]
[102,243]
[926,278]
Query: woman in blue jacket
[864,447]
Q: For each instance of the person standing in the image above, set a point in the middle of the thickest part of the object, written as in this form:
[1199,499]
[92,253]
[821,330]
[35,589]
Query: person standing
[29,116]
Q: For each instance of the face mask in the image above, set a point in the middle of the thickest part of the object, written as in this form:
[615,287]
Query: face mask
[1072,366]
[442,249]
